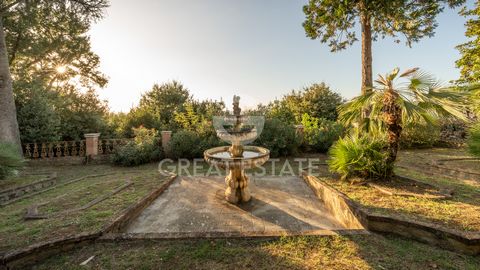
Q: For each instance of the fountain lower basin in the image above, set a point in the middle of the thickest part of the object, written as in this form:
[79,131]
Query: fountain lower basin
[252,156]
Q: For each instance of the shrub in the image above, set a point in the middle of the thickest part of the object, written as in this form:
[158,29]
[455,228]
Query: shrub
[473,141]
[144,148]
[279,137]
[424,136]
[10,160]
[185,144]
[361,156]
[319,133]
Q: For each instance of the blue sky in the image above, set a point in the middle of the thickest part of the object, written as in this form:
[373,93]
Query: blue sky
[256,49]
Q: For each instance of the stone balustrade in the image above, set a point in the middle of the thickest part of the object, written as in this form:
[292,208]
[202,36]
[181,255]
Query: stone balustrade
[70,148]
[54,149]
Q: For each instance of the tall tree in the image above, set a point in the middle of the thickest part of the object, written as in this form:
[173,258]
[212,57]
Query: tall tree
[85,10]
[469,63]
[334,22]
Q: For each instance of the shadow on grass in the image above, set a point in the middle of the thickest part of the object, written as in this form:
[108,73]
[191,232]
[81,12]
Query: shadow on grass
[306,252]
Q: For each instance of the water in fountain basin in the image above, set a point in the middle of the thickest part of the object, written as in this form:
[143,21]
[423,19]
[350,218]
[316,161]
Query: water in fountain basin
[246,154]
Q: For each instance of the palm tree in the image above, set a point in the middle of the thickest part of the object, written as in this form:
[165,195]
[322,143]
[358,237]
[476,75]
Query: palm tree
[420,99]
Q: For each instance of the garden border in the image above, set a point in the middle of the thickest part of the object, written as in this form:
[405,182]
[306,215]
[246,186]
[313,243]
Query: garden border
[22,257]
[351,213]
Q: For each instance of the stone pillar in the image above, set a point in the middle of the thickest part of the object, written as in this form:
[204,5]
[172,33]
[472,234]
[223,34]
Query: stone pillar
[299,132]
[166,136]
[91,141]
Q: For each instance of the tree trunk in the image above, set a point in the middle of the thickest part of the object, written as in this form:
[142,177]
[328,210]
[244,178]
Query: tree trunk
[392,114]
[8,114]
[367,78]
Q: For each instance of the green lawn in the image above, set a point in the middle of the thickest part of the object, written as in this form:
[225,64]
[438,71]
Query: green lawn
[59,202]
[460,212]
[327,252]
[333,252]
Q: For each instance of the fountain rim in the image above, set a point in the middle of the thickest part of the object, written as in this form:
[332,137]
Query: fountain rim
[209,153]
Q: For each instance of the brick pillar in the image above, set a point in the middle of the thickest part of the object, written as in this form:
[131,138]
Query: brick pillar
[91,141]
[166,135]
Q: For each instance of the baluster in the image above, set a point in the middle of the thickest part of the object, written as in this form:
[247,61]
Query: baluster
[66,151]
[58,148]
[50,150]
[100,148]
[82,149]
[74,149]
[107,147]
[28,153]
[35,150]
[43,153]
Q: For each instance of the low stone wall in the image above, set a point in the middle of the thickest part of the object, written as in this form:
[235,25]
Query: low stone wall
[343,209]
[17,192]
[55,161]
[20,258]
[60,161]
[134,211]
[221,234]
[353,214]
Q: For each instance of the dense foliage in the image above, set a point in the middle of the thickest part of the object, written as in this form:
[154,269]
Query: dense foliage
[54,69]
[168,106]
[359,155]
[319,133]
[185,144]
[420,135]
[318,100]
[10,160]
[474,140]
[279,137]
[469,63]
[144,148]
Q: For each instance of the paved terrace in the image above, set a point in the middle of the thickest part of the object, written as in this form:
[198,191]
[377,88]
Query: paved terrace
[194,206]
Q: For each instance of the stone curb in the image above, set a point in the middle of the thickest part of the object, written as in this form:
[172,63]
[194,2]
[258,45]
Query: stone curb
[134,211]
[220,234]
[19,258]
[351,214]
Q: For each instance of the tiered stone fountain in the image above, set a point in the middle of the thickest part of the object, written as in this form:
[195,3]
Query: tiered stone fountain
[238,130]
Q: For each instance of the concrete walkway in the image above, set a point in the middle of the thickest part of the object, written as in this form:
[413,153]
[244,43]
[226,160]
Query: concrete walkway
[194,206]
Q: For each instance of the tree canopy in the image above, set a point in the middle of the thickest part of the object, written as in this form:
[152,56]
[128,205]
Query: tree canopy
[334,22]
[469,63]
[318,100]
[44,46]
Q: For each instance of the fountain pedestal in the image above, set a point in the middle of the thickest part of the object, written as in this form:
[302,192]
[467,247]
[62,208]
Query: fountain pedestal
[237,181]
[237,186]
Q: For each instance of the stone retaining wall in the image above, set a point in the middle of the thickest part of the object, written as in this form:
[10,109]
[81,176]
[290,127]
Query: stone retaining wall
[351,213]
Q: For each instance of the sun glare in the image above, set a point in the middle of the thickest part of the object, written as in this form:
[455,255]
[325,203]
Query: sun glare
[61,69]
